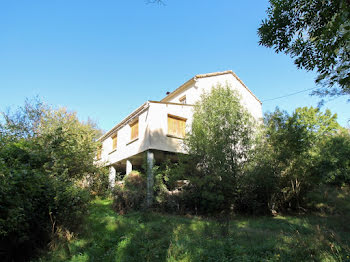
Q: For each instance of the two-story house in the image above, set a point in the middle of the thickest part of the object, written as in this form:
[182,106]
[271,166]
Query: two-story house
[154,131]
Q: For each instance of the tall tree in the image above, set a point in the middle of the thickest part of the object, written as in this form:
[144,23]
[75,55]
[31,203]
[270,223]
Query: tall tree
[218,146]
[316,33]
[294,141]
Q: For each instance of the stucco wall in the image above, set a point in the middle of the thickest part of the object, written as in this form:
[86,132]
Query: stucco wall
[153,133]
[194,91]
[153,123]
[126,148]
[191,93]
[158,126]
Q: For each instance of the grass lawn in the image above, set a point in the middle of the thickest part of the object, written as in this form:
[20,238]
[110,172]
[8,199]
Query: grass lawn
[140,236]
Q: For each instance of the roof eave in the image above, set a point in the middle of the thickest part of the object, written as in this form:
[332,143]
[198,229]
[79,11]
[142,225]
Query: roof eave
[179,89]
[194,79]
[135,113]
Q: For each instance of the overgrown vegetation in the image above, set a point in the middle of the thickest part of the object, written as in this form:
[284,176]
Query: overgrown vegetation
[46,155]
[287,164]
[235,165]
[150,236]
[131,193]
[218,147]
[287,161]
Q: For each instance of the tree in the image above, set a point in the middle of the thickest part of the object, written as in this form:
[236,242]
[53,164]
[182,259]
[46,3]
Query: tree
[334,162]
[218,147]
[69,144]
[317,34]
[44,152]
[294,150]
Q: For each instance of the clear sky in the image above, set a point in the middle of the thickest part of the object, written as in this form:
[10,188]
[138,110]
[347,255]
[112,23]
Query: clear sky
[105,58]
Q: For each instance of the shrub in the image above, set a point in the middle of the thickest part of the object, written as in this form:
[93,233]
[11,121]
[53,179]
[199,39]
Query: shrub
[131,195]
[170,188]
[334,162]
[259,185]
[292,155]
[98,183]
[33,206]
[44,153]
[284,165]
[68,204]
[330,200]
[218,147]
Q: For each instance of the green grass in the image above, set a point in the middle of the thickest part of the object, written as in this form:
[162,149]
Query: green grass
[141,236]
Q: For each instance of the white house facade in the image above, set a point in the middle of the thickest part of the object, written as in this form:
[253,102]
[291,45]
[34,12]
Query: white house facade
[155,130]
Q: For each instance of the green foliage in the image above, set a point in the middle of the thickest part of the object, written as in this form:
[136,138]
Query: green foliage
[131,194]
[25,121]
[171,190]
[69,144]
[98,182]
[44,155]
[329,200]
[334,162]
[218,147]
[284,166]
[146,236]
[229,169]
[316,34]
[259,188]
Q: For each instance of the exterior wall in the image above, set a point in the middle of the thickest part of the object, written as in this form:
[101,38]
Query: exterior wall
[126,147]
[153,120]
[158,126]
[191,92]
[194,91]
[153,133]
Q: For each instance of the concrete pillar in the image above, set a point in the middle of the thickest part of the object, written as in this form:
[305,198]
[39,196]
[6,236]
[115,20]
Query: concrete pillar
[111,177]
[128,167]
[150,179]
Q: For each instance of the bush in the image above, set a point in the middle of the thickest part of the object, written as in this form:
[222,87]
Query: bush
[170,188]
[68,204]
[334,161]
[329,200]
[44,153]
[98,183]
[218,146]
[258,187]
[33,206]
[292,156]
[24,218]
[285,164]
[131,194]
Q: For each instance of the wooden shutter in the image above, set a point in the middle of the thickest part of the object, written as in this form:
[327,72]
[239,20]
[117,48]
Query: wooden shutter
[115,139]
[134,130]
[183,100]
[99,152]
[176,126]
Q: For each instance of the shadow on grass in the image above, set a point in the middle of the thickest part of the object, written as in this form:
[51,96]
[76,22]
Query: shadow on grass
[142,236]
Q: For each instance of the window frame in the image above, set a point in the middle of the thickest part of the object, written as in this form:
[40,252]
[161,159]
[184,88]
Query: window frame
[132,124]
[183,100]
[114,141]
[99,153]
[176,134]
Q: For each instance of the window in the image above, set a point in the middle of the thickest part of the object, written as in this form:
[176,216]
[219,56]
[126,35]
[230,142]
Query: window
[134,129]
[183,100]
[99,152]
[176,126]
[114,139]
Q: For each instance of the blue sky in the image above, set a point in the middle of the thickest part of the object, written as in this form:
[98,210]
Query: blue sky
[103,59]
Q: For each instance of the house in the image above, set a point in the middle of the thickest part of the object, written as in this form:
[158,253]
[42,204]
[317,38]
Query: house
[155,130]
